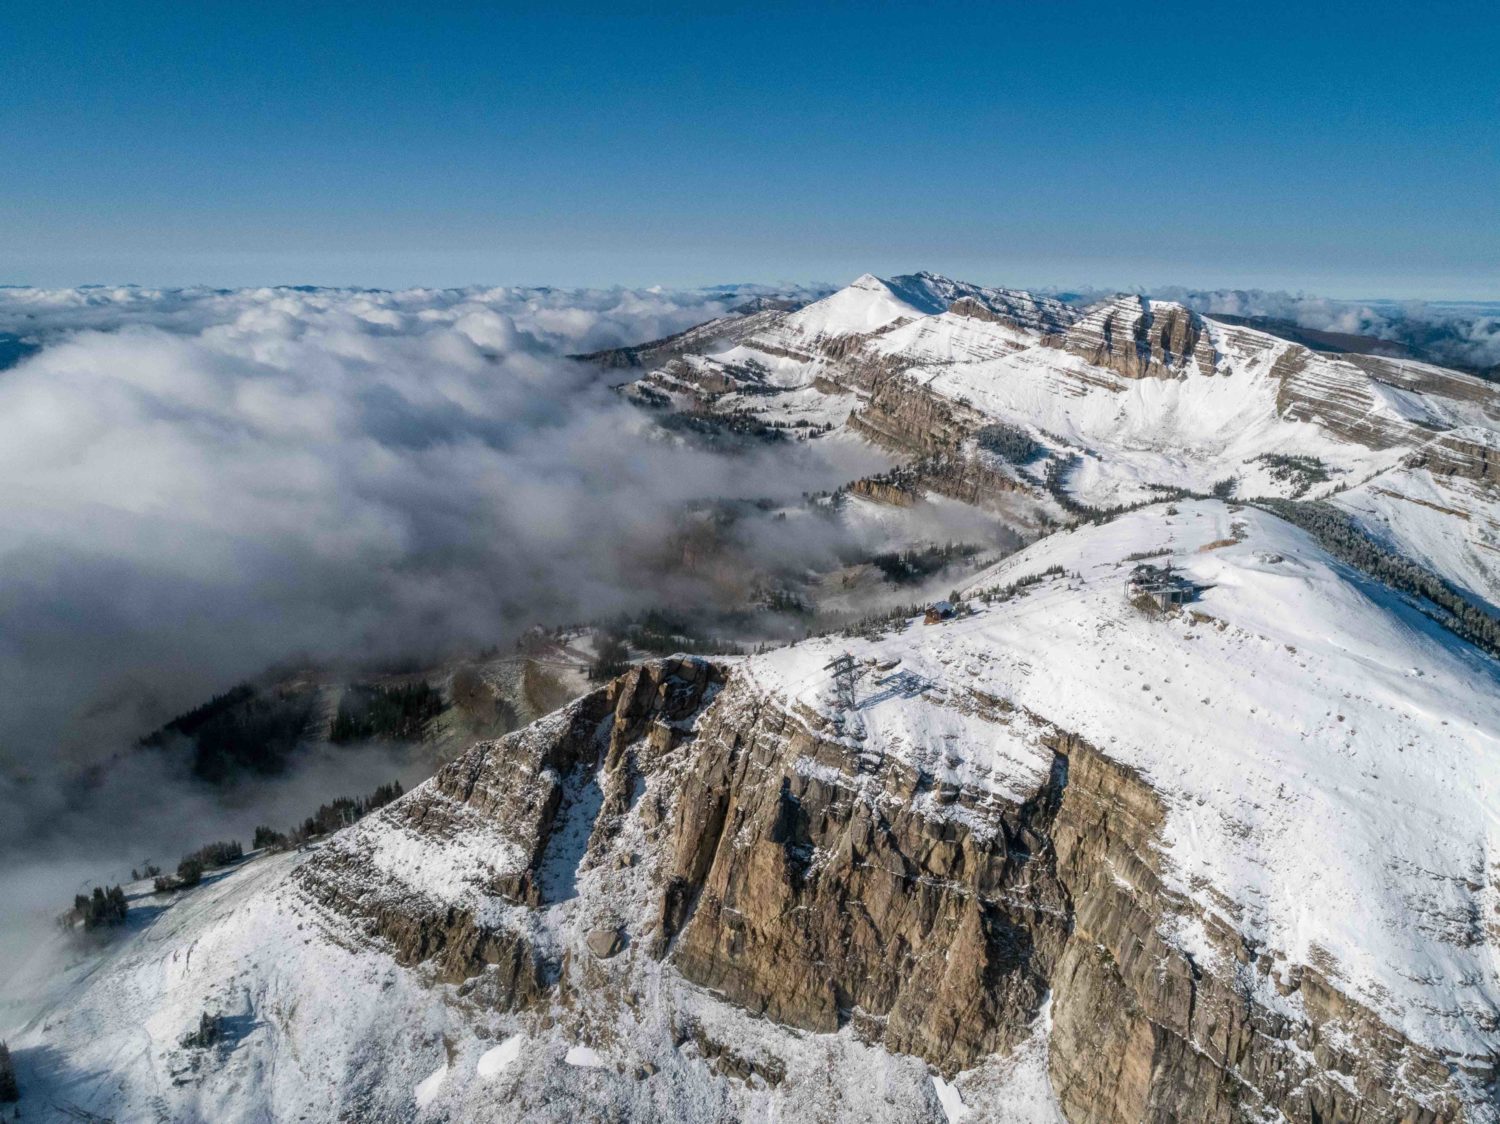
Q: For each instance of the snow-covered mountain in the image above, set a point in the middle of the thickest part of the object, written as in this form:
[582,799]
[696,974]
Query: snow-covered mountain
[1183,814]
[1128,397]
[1241,853]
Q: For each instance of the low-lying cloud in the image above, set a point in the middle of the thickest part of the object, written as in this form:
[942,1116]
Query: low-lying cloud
[1464,335]
[199,484]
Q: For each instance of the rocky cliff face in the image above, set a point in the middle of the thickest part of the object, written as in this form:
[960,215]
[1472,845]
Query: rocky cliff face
[806,886]
[904,416]
[810,890]
[1142,339]
[1021,310]
[1472,454]
[496,814]
[822,884]
[1143,1031]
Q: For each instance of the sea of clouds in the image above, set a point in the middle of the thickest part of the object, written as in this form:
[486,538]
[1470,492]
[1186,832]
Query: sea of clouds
[199,484]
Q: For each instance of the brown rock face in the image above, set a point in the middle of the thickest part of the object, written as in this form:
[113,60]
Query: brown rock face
[821,886]
[1142,1032]
[806,900]
[509,794]
[605,943]
[959,477]
[905,416]
[817,906]
[1336,395]
[1142,339]
[1469,453]
[1021,311]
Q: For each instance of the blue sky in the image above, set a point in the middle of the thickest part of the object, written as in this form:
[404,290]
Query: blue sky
[1351,150]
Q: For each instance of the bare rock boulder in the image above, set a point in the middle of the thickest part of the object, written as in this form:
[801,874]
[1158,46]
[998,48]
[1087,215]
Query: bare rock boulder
[605,943]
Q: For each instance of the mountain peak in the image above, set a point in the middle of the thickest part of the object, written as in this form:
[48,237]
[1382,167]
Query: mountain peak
[866,304]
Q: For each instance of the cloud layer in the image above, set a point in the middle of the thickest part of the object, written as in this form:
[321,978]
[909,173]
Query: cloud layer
[202,483]
[1465,335]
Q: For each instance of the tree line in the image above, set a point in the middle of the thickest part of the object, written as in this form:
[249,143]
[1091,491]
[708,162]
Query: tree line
[244,727]
[1341,536]
[10,1091]
[337,813]
[398,713]
[192,866]
[102,908]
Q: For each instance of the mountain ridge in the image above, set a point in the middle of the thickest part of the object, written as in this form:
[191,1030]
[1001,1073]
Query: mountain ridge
[1180,812]
[1221,400]
[707,832]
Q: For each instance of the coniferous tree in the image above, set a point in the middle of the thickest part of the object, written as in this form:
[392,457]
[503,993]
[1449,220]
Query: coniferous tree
[242,728]
[1008,442]
[396,713]
[10,1091]
[611,656]
[190,871]
[208,1032]
[102,907]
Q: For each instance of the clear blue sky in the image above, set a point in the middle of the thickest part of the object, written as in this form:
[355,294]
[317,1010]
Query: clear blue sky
[1344,149]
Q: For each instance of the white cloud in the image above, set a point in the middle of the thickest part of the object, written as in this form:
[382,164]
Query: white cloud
[1459,334]
[201,483]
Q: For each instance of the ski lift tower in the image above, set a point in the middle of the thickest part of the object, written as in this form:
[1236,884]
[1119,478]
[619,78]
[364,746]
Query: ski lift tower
[845,674]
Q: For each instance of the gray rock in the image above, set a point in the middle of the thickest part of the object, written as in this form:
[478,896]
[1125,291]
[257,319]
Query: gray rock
[605,943]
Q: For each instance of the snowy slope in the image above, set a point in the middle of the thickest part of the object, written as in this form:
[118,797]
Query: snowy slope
[869,304]
[1330,759]
[864,305]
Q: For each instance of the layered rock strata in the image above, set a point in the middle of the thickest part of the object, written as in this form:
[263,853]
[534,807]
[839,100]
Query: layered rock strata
[822,883]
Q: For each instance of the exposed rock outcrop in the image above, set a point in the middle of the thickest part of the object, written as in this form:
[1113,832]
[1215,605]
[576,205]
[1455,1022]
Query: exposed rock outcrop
[821,884]
[1017,309]
[605,942]
[1336,396]
[902,415]
[967,478]
[1141,339]
[1471,453]
[815,902]
[501,802]
[1144,1032]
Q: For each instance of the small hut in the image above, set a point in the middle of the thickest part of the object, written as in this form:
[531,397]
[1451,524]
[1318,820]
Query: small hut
[1163,586]
[938,611]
